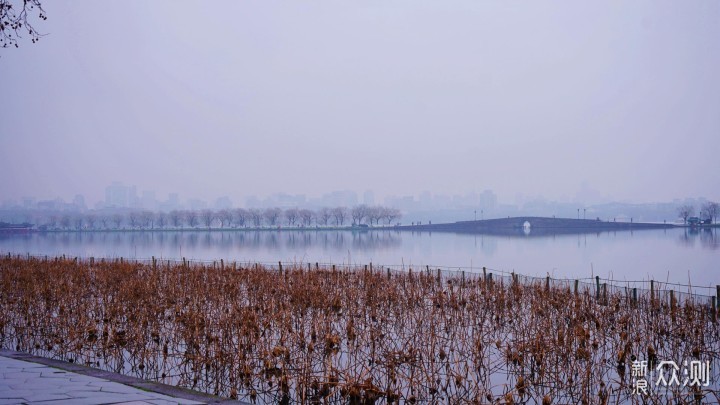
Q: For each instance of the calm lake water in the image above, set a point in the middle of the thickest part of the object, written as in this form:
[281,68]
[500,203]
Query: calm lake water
[674,255]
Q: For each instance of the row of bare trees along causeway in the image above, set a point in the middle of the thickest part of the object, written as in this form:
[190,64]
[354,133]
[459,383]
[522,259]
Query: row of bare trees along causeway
[224,219]
[358,335]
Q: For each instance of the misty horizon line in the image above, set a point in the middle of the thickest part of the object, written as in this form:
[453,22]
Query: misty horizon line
[351,198]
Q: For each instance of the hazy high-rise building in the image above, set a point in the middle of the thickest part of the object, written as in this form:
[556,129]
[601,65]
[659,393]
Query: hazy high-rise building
[253,202]
[173,201]
[284,200]
[223,203]
[79,202]
[426,200]
[487,200]
[133,199]
[341,198]
[28,202]
[196,204]
[116,195]
[369,197]
[148,200]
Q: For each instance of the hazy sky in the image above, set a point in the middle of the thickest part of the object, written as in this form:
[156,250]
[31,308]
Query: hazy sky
[255,97]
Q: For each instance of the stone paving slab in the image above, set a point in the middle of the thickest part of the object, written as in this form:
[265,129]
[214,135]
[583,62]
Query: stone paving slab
[27,379]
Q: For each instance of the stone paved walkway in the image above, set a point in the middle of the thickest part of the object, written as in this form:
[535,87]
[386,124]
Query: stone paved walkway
[29,382]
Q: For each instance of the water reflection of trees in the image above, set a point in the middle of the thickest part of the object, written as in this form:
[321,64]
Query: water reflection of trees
[707,237]
[183,243]
[327,240]
[247,241]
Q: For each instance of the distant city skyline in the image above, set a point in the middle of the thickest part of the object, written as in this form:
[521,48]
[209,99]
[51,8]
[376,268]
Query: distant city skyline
[121,196]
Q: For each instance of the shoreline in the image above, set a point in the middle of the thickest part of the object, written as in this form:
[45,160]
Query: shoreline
[536,226]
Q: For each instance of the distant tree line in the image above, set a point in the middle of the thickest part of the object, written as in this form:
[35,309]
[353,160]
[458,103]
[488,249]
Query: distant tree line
[227,218]
[709,210]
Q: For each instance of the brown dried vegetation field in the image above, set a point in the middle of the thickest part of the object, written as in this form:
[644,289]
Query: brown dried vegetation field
[331,335]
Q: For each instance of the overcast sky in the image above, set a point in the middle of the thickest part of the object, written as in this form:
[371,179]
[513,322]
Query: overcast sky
[256,97]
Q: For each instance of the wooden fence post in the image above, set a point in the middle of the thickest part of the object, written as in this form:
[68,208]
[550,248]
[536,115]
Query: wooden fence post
[672,300]
[605,295]
[652,290]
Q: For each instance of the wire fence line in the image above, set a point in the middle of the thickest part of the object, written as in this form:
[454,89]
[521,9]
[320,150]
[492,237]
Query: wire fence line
[601,287]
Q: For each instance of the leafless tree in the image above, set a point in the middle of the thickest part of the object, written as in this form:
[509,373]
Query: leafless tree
[78,221]
[324,216]
[176,218]
[391,214]
[65,221]
[161,219]
[90,221]
[207,216]
[147,220]
[117,220]
[191,218]
[225,217]
[105,221]
[241,216]
[374,214]
[306,216]
[340,215]
[15,19]
[685,212]
[358,213]
[256,215]
[53,221]
[272,215]
[134,219]
[710,210]
[292,214]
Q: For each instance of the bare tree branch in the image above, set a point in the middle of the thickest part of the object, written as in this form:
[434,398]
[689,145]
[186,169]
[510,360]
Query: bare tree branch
[15,20]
